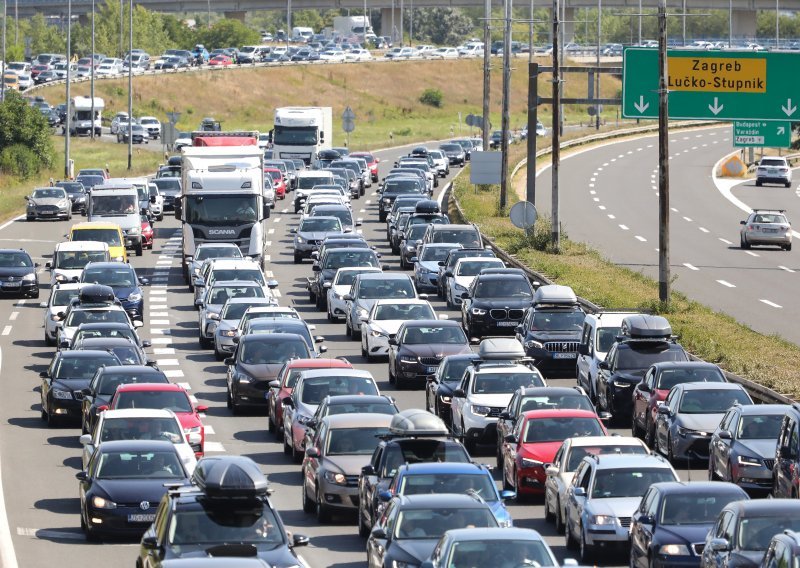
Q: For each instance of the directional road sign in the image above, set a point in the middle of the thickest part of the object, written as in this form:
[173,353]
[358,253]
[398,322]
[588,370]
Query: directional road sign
[712,85]
[348,120]
[771,134]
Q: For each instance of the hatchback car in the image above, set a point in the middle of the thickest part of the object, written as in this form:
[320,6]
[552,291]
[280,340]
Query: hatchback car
[18,274]
[339,287]
[766,227]
[440,386]
[419,346]
[48,203]
[491,547]
[366,290]
[384,319]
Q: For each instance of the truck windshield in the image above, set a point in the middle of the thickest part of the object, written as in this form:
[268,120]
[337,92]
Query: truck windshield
[114,205]
[295,136]
[221,209]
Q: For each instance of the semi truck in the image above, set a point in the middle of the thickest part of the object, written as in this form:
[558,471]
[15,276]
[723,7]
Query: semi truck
[222,197]
[302,132]
[80,109]
[348,26]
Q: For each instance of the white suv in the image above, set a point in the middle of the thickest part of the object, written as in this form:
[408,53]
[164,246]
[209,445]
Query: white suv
[599,333]
[773,169]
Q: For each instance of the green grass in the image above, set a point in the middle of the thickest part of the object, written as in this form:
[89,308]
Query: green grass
[713,336]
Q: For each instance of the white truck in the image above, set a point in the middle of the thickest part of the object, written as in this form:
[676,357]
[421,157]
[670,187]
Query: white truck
[222,198]
[349,26]
[118,202]
[300,33]
[80,109]
[302,132]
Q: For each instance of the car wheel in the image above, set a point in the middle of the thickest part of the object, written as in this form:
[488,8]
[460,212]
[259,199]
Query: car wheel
[363,529]
[347,331]
[559,518]
[499,456]
[355,334]
[712,474]
[391,376]
[743,243]
[548,514]
[636,432]
[298,258]
[270,422]
[323,514]
[287,448]
[308,505]
[469,444]
[205,343]
[758,183]
[322,303]
[788,247]
[364,352]
[47,341]
[297,456]
[585,549]
[51,420]
[218,355]
[312,297]
[139,249]
[233,406]
[670,456]
[649,433]
[569,541]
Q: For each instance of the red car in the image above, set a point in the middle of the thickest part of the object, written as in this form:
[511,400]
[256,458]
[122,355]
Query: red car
[372,162]
[535,440]
[147,233]
[283,386]
[36,69]
[166,396]
[277,182]
[220,61]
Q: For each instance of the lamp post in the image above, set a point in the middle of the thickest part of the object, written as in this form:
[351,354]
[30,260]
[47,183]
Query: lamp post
[130,86]
[91,75]
[69,65]
[730,23]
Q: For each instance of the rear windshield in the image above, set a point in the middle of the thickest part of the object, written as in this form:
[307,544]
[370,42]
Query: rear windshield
[388,288]
[557,321]
[108,383]
[404,312]
[204,253]
[668,378]
[576,454]
[474,267]
[221,294]
[144,428]
[468,238]
[643,357]
[81,367]
[316,389]
[313,224]
[177,401]
[505,383]
[772,162]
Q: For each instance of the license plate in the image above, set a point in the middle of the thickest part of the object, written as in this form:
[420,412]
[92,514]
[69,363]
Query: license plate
[431,369]
[506,324]
[12,284]
[564,355]
[772,171]
[141,518]
[770,230]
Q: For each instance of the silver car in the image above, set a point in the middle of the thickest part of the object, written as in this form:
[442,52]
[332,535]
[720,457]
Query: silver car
[310,234]
[228,322]
[368,289]
[215,297]
[48,203]
[766,227]
[208,251]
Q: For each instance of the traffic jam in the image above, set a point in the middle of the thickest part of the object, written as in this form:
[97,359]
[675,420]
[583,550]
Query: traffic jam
[494,389]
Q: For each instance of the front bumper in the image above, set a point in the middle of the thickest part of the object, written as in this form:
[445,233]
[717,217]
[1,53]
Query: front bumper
[481,434]
[615,534]
[670,561]
[223,343]
[338,305]
[378,345]
[251,394]
[344,497]
[553,362]
[21,288]
[66,408]
[530,480]
[415,371]
[691,446]
[116,521]
[135,310]
[486,325]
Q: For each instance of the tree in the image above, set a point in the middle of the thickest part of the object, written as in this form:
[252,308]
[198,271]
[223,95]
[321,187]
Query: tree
[25,142]
[443,26]
[228,33]
[44,38]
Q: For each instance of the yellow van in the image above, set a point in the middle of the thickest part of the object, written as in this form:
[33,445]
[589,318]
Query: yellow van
[109,233]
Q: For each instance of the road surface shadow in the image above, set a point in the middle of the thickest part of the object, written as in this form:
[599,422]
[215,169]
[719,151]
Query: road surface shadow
[62,505]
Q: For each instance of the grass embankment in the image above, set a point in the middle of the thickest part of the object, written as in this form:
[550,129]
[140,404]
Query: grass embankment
[87,154]
[713,336]
[384,97]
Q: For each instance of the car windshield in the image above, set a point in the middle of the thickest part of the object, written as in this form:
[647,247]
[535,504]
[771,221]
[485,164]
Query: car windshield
[453,370]
[435,253]
[109,236]
[234,311]
[128,355]
[503,288]
[316,389]
[755,533]
[114,332]
[317,224]
[282,313]
[694,509]
[711,401]
[614,483]
[606,337]
[557,321]
[253,274]
[351,257]
[49,193]
[434,483]
[77,317]
[221,209]
[474,267]
[404,312]
[89,181]
[15,260]
[559,429]
[122,277]
[108,382]
[249,522]
[273,351]
[760,427]
[353,441]
[203,253]
[373,289]
[63,297]
[221,294]
[577,453]
[141,428]
[114,204]
[434,334]
[344,215]
[346,277]
[521,553]
[769,218]
[417,450]
[139,465]
[415,524]
[416,232]
[384,407]
[574,401]
[450,148]
[468,238]
[81,367]
[174,400]
[505,383]
[294,135]
[643,357]
[75,260]
[668,378]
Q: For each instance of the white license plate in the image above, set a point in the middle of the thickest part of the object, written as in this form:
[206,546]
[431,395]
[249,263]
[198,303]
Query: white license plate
[431,369]
[564,355]
[141,518]
[770,230]
[12,284]
[507,324]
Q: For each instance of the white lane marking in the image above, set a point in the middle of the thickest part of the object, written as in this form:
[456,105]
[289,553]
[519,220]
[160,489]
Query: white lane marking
[624,227]
[641,238]
[161,331]
[367,202]
[751,253]
[673,209]
[592,192]
[276,293]
[209,430]
[277,219]
[157,291]
[771,304]
[595,199]
[8,558]
[599,169]
[213,447]
[185,386]
[726,283]
[48,534]
[284,211]
[687,219]
[161,341]
[592,179]
[7,330]
[158,314]
[690,266]
[21,302]
[268,243]
[164,351]
[610,216]
[726,241]
[158,306]
[786,269]
[270,231]
[704,229]
[591,185]
[13,316]
[3,226]
[159,322]
[174,373]
[362,210]
[601,207]
[167,362]
[604,165]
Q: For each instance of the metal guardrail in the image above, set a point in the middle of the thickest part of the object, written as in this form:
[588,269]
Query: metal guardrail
[759,393]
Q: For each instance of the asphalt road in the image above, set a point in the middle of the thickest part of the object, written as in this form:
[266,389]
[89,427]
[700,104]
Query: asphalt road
[609,199]
[38,464]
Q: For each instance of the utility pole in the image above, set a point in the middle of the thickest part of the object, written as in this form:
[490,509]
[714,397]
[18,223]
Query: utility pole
[2,82]
[121,27]
[91,75]
[683,17]
[505,126]
[402,23]
[663,157]
[730,23]
[130,89]
[556,153]
[487,87]
[597,74]
[533,119]
[69,64]
[640,21]
[411,26]
[530,36]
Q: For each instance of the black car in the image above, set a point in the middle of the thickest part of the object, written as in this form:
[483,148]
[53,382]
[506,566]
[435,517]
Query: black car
[18,274]
[226,513]
[76,193]
[392,188]
[104,329]
[332,260]
[455,154]
[90,180]
[495,303]
[440,387]
[786,471]
[124,482]
[419,347]
[669,526]
[64,380]
[104,384]
[466,144]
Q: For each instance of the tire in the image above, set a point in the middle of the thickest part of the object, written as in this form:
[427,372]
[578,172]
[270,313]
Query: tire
[469,444]
[788,247]
[758,183]
[218,355]
[287,449]
[559,518]
[347,331]
[297,258]
[355,334]
[548,514]
[392,379]
[205,343]
[47,341]
[139,249]
[363,529]
[51,420]
[270,422]
[635,431]
[312,297]
[569,541]
[235,409]
[743,243]
[586,551]
[670,456]
[308,505]
[650,435]
[323,514]
[788,184]
[499,457]
[297,457]
[30,219]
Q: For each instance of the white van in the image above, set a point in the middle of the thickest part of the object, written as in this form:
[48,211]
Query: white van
[302,34]
[70,257]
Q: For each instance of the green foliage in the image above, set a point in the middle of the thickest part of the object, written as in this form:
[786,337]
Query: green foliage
[432,97]
[20,161]
[228,33]
[442,26]
[25,143]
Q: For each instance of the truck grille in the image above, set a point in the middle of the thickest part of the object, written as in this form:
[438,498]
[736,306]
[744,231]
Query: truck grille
[561,346]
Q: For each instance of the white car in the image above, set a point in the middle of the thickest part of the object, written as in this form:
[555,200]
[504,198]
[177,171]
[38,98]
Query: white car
[471,49]
[24,80]
[339,286]
[358,55]
[383,321]
[183,139]
[129,423]
[152,126]
[156,202]
[121,118]
[458,280]
[425,50]
[407,53]
[444,53]
[60,297]
[774,169]
[334,55]
[111,313]
[441,162]
[562,471]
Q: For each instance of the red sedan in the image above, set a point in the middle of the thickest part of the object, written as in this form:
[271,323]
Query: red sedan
[283,386]
[220,61]
[166,396]
[535,440]
[36,69]
[277,182]
[147,233]
[372,162]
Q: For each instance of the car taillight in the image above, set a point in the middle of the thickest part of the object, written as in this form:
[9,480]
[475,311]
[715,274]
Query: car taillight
[784,170]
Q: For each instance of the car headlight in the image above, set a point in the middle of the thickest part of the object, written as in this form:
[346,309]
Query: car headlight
[505,523]
[411,248]
[29,277]
[478,312]
[65,203]
[31,205]
[300,240]
[60,277]
[531,344]
[100,503]
[602,519]
[135,297]
[407,359]
[134,231]
[460,288]
[481,410]
[61,394]
[526,462]
[243,377]
[445,399]
[378,333]
[683,432]
[228,333]
[401,564]
[337,478]
[387,201]
[621,384]
[362,312]
[674,550]
[749,461]
[195,430]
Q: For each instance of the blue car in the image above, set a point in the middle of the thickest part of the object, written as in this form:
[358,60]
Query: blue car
[121,277]
[451,477]
[670,526]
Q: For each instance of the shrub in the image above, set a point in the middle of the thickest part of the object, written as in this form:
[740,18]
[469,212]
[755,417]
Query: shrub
[20,161]
[432,97]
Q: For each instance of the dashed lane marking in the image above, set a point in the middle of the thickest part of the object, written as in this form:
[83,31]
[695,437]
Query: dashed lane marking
[164,351]
[185,386]
[786,269]
[624,227]
[174,373]
[726,284]
[158,314]
[770,304]
[601,207]
[215,447]
[167,362]
[159,322]
[704,229]
[641,238]
[726,241]
[687,219]
[50,534]
[690,266]
[161,341]
[7,330]
[673,209]
[610,216]
[13,316]
[751,253]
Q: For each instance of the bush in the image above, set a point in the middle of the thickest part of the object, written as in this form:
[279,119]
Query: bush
[20,161]
[432,97]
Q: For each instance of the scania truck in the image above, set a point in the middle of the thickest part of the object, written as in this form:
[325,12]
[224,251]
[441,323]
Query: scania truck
[222,198]
[302,132]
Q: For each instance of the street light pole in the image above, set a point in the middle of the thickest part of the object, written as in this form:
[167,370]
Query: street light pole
[69,64]
[487,88]
[505,126]
[777,24]
[366,19]
[555,154]
[640,22]
[530,36]
[91,74]
[121,26]
[130,87]
[597,73]
[730,23]
[663,157]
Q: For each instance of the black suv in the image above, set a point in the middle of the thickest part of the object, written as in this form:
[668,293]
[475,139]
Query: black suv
[786,471]
[496,302]
[551,330]
[644,340]
[18,273]
[394,187]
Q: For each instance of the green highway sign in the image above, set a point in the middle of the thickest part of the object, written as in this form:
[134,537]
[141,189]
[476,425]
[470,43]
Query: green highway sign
[712,85]
[771,134]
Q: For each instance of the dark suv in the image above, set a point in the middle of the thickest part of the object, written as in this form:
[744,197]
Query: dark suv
[551,330]
[395,187]
[783,550]
[495,303]
[786,471]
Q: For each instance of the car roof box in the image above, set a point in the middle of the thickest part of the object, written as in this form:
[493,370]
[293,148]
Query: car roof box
[555,294]
[96,294]
[230,477]
[417,422]
[500,348]
[427,206]
[644,326]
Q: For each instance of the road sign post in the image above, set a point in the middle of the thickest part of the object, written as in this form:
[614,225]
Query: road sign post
[710,85]
[348,122]
[756,133]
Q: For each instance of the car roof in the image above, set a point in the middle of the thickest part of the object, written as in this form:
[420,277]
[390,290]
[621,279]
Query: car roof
[709,386]
[84,353]
[440,500]
[494,533]
[363,420]
[616,461]
[323,363]
[137,446]
[581,441]
[422,468]
[761,409]
[765,507]
[554,391]
[355,398]
[432,322]
[336,372]
[383,276]
[107,341]
[684,487]
[131,369]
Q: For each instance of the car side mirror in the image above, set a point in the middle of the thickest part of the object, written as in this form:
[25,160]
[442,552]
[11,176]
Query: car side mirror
[150,542]
[385,495]
[414,259]
[274,384]
[146,343]
[368,470]
[85,439]
[742,222]
[507,495]
[43,375]
[198,302]
[287,400]
[719,545]
[551,470]
[510,439]
[603,365]
[604,416]
[378,532]
[312,452]
[583,349]
[64,344]
[448,273]
[664,409]
[465,296]
[230,361]
[200,408]
[393,341]
[724,435]
[579,492]
[348,297]
[214,317]
[48,265]
[82,476]
[643,386]
[293,231]
[459,393]
[504,415]
[316,268]
[299,540]
[646,519]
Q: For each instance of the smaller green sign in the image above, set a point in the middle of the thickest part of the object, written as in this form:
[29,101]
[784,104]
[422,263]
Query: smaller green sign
[747,133]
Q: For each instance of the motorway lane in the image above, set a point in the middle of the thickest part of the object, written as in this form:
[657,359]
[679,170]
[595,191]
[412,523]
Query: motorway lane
[43,515]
